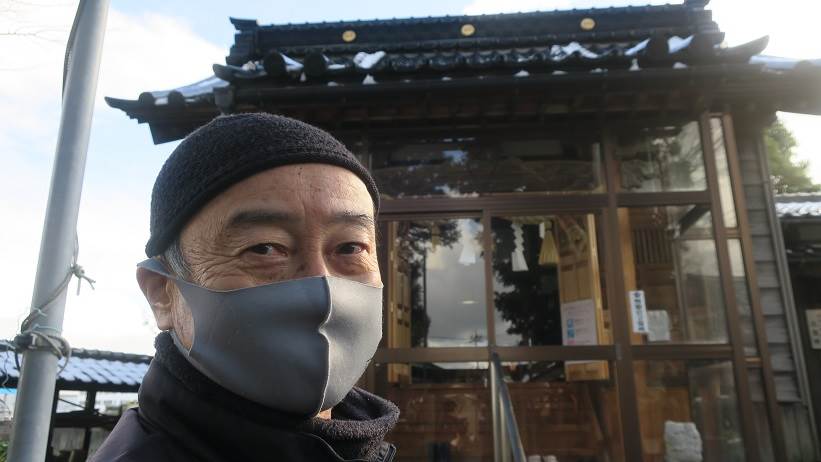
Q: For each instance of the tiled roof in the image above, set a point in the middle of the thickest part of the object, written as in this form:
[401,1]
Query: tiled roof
[281,70]
[520,45]
[798,206]
[496,31]
[275,67]
[655,52]
[88,369]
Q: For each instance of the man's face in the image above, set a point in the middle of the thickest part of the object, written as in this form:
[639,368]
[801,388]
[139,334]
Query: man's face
[285,223]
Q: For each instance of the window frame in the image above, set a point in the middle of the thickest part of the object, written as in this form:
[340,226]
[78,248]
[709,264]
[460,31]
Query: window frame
[622,353]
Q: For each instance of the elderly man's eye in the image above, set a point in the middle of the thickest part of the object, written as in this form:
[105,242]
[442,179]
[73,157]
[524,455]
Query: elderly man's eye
[351,248]
[266,249]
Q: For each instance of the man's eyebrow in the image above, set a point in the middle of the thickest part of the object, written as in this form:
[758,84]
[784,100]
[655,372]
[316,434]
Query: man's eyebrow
[361,219]
[246,218]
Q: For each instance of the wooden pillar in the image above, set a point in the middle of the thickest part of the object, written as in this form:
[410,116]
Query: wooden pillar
[579,278]
[53,418]
[91,400]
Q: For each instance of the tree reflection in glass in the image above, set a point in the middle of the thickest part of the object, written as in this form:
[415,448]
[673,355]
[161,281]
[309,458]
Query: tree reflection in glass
[475,165]
[526,301]
[658,159]
[436,289]
[543,265]
[671,257]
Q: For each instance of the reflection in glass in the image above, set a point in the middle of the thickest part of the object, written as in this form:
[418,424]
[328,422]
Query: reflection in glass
[444,410]
[671,257]
[573,421]
[725,186]
[688,410]
[459,166]
[742,297]
[544,267]
[435,287]
[660,159]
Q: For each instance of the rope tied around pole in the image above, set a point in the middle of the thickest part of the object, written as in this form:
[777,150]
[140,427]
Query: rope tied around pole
[80,274]
[55,268]
[34,336]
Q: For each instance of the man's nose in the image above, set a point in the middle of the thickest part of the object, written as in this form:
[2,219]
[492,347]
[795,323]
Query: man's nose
[313,264]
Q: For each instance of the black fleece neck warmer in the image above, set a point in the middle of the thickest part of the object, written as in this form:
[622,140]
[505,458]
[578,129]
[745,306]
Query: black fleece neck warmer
[186,404]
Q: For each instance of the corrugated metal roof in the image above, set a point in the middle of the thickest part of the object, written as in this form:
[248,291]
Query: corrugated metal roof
[800,205]
[88,369]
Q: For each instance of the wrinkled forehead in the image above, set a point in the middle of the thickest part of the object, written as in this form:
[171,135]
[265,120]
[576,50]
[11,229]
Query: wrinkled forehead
[291,194]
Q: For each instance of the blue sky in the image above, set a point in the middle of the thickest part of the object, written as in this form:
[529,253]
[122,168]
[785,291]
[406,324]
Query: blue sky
[152,45]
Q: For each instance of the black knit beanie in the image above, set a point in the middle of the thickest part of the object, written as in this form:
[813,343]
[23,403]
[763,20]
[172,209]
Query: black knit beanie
[228,150]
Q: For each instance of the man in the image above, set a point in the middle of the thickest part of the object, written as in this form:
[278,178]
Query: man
[264,280]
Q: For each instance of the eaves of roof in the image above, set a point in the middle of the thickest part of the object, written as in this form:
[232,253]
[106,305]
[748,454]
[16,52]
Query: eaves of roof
[800,206]
[754,77]
[253,41]
[86,370]
[651,46]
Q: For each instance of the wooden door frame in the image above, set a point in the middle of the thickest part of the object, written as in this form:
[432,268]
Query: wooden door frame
[622,353]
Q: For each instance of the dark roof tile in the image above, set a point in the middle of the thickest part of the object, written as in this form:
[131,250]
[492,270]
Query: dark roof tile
[294,57]
[801,205]
[96,369]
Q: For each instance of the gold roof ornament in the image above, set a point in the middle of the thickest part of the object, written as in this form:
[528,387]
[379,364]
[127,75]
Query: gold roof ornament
[349,36]
[467,30]
[587,24]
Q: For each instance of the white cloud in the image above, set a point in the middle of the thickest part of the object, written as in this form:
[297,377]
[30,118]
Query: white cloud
[792,34]
[153,52]
[140,53]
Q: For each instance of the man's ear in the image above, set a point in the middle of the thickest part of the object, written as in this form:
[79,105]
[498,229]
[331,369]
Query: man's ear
[159,291]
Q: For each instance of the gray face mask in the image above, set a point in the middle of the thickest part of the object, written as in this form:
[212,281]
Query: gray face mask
[297,346]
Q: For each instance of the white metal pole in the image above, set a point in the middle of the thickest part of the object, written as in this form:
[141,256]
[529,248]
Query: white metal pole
[35,389]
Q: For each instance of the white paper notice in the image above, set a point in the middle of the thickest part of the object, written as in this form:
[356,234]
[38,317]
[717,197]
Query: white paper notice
[659,324]
[638,308]
[579,323]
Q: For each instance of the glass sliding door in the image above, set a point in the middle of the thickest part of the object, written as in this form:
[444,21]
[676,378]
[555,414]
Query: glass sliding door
[445,410]
[436,283]
[674,265]
[611,274]
[572,420]
[460,287]
[688,411]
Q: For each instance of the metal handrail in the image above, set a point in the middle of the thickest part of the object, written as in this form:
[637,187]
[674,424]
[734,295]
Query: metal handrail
[506,439]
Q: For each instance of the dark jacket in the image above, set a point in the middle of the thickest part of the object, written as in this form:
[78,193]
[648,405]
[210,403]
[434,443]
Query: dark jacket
[183,416]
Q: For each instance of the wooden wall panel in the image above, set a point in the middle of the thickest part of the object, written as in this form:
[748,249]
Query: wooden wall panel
[795,416]
[800,438]
[771,303]
[768,276]
[763,249]
[769,285]
[776,330]
[781,358]
[758,223]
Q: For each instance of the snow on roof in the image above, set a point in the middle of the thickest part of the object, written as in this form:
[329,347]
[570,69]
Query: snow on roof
[800,205]
[364,60]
